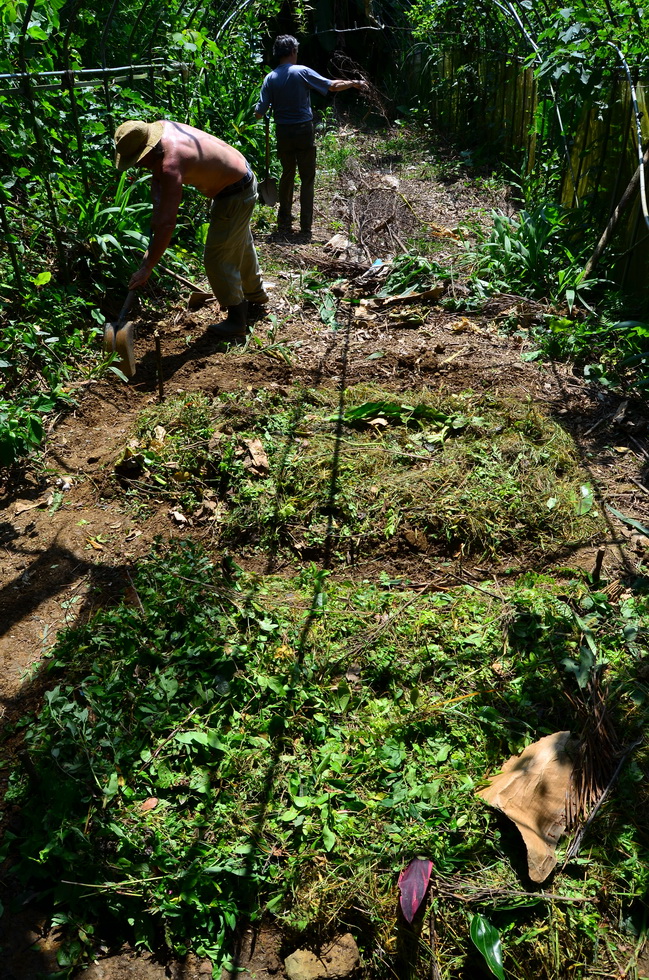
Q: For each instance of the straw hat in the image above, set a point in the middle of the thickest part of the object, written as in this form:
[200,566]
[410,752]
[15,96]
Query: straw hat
[133,140]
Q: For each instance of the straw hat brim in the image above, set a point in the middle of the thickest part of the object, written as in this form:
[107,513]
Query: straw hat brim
[123,162]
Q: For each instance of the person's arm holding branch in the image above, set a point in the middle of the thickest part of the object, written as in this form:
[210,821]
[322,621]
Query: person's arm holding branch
[342,84]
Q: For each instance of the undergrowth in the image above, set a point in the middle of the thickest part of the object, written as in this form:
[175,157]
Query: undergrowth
[455,475]
[219,747]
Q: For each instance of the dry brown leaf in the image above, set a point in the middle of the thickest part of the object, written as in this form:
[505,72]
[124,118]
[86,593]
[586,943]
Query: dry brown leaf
[149,804]
[22,507]
[461,325]
[338,243]
[439,232]
[533,790]
[258,462]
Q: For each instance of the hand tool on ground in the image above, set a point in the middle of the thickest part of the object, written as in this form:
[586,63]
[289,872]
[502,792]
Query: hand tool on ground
[268,187]
[119,336]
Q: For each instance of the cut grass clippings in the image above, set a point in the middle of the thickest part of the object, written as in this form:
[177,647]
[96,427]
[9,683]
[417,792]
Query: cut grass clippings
[452,476]
[215,750]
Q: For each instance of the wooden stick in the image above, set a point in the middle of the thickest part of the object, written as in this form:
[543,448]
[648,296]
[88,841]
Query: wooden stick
[158,358]
[597,570]
[179,278]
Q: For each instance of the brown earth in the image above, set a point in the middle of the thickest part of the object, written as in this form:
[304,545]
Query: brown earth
[68,538]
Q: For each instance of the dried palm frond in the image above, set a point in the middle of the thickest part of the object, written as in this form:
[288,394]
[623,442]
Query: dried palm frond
[598,751]
[598,761]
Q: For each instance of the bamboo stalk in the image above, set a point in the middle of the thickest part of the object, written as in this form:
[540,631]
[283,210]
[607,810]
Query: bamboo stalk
[624,203]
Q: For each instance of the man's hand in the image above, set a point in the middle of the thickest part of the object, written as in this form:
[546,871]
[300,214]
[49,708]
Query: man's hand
[139,278]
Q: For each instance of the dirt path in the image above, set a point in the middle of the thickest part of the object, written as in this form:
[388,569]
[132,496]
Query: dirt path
[69,536]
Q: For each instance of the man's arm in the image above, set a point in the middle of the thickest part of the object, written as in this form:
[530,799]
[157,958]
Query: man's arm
[166,193]
[342,84]
[330,85]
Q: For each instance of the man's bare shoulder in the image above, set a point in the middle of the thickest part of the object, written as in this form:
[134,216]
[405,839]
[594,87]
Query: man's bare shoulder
[200,159]
[188,138]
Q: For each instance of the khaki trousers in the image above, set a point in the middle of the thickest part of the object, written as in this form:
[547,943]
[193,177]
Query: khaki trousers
[230,258]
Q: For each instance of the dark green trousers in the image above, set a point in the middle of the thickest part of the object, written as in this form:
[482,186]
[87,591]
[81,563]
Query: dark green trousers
[296,151]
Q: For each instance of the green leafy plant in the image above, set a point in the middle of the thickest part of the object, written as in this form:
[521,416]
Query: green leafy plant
[208,756]
[487,940]
[412,274]
[523,253]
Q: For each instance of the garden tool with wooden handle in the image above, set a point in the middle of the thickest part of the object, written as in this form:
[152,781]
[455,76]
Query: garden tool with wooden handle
[268,188]
[119,336]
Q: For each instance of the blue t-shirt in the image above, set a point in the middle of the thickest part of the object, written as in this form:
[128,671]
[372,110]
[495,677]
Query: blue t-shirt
[288,90]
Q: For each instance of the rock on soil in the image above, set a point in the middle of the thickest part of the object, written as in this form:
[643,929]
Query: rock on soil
[339,960]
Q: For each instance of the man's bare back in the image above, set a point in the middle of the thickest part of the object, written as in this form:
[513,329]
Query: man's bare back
[199,159]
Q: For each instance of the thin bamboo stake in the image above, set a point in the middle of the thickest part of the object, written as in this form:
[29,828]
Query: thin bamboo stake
[158,359]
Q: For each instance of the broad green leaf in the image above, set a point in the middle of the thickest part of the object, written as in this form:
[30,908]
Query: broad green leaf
[37,33]
[628,520]
[191,738]
[328,837]
[486,938]
[585,502]
[289,814]
[112,786]
[582,669]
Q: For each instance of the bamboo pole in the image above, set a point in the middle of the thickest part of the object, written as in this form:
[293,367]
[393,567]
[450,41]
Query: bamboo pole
[624,203]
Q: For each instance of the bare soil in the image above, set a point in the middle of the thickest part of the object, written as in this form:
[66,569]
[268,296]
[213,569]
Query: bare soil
[69,539]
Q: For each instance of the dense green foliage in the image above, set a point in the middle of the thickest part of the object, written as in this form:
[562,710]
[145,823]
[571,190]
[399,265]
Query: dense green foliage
[222,745]
[73,226]
[548,88]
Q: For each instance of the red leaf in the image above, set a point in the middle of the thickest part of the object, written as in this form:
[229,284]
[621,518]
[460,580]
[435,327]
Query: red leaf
[413,884]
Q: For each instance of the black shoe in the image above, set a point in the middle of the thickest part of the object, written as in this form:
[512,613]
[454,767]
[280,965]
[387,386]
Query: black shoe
[257,311]
[234,327]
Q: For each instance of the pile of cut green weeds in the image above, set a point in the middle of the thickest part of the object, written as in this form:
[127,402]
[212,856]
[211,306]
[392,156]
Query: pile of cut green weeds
[466,474]
[221,747]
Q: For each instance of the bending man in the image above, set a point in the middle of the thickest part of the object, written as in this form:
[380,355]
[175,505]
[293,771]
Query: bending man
[177,154]
[288,90]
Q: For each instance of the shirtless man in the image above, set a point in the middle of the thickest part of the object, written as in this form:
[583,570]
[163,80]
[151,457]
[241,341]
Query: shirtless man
[177,154]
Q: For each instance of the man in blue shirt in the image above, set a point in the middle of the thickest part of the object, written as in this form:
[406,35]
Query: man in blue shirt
[288,90]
